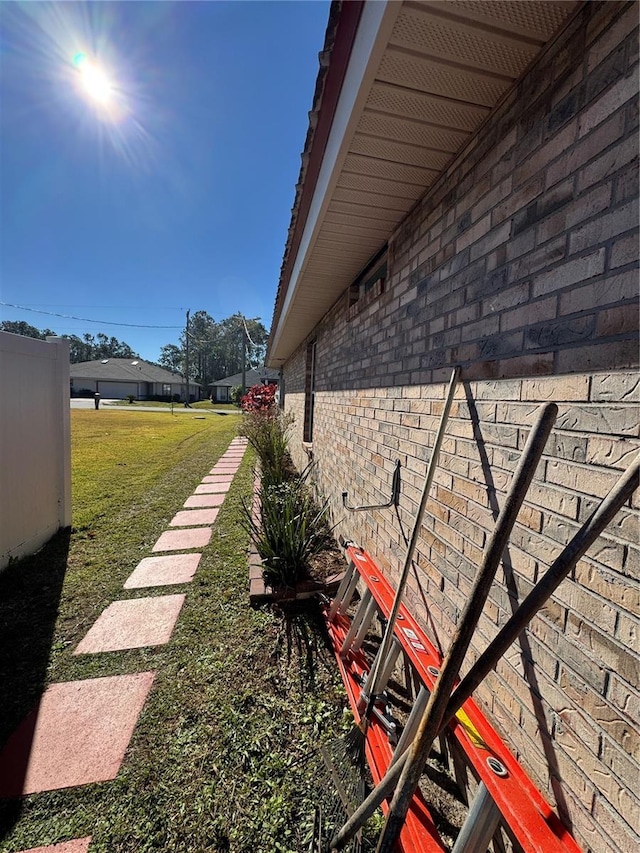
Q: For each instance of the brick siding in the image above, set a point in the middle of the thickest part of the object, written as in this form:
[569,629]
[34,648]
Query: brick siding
[521,265]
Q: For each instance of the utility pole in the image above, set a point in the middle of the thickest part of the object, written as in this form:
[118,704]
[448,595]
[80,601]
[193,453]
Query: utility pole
[186,359]
[244,358]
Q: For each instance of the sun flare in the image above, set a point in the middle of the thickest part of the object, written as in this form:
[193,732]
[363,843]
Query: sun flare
[96,84]
[94,80]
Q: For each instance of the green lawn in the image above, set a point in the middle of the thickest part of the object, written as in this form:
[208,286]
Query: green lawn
[224,756]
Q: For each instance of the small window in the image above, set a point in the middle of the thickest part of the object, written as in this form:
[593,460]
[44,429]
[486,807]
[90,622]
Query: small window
[166,390]
[309,392]
[369,285]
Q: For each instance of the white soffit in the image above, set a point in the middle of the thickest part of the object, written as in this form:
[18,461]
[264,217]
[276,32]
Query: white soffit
[422,77]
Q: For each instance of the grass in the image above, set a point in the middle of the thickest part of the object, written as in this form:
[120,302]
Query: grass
[224,756]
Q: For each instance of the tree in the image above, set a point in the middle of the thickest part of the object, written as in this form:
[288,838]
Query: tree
[106,347]
[202,342]
[171,358]
[19,327]
[215,348]
[88,348]
[79,349]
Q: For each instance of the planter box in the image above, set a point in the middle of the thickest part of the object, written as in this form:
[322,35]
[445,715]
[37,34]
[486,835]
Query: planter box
[260,592]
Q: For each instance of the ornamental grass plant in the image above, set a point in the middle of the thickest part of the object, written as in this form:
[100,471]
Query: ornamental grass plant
[266,432]
[266,428]
[290,528]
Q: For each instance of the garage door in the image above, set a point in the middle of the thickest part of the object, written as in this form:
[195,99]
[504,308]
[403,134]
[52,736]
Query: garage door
[117,390]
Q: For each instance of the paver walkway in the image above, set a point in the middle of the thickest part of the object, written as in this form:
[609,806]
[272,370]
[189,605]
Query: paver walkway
[78,845]
[80,730]
[133,624]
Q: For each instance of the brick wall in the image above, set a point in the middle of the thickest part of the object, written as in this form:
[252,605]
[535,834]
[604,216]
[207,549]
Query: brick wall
[520,265]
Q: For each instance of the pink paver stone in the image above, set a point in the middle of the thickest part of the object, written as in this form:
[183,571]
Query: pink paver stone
[204,500]
[226,467]
[78,845]
[182,540]
[162,571]
[189,517]
[132,624]
[217,478]
[77,734]
[215,488]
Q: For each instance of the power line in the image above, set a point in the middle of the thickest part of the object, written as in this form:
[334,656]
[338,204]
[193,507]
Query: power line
[86,319]
[118,307]
[246,331]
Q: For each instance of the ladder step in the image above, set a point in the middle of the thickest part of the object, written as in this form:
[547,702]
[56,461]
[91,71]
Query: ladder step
[338,602]
[358,616]
[385,675]
[480,824]
[369,615]
[411,727]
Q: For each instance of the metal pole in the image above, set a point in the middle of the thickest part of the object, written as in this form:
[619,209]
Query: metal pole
[536,599]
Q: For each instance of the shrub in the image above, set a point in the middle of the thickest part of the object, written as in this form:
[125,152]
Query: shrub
[291,529]
[235,395]
[131,398]
[266,431]
[259,398]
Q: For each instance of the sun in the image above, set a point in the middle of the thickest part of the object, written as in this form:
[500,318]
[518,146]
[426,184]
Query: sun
[94,81]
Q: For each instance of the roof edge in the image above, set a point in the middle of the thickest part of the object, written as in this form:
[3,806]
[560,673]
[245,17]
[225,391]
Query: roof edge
[344,17]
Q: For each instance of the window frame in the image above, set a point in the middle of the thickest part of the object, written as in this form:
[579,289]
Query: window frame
[309,391]
[369,284]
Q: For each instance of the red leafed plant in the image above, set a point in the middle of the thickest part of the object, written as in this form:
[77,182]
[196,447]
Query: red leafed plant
[259,398]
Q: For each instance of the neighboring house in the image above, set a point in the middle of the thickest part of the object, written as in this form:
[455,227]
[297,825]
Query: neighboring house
[220,390]
[117,378]
[468,197]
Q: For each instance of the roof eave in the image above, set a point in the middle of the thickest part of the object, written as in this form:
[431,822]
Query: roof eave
[342,27]
[362,177]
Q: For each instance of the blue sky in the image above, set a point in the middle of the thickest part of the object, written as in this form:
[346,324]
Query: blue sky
[175,195]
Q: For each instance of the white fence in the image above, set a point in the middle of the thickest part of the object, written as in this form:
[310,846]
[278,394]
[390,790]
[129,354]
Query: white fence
[35,443]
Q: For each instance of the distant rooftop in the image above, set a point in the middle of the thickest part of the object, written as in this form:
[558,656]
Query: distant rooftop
[124,370]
